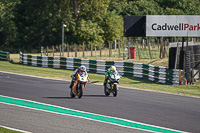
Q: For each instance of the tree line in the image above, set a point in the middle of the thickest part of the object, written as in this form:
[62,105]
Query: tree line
[29,24]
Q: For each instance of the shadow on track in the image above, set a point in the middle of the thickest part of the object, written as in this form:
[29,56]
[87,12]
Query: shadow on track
[94,96]
[75,98]
[59,97]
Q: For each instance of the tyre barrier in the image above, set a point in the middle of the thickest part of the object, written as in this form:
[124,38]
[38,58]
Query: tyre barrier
[145,71]
[4,56]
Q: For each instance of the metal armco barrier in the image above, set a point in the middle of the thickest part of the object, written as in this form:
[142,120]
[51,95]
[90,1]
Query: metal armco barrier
[4,56]
[131,69]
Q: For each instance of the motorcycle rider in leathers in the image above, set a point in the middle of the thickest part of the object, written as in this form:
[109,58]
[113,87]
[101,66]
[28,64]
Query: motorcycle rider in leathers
[80,69]
[112,69]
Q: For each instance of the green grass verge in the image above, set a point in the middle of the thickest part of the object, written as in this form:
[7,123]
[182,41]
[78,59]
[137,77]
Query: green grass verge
[193,90]
[4,130]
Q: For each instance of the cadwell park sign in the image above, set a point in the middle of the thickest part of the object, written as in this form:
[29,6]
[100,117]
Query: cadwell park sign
[162,25]
[173,25]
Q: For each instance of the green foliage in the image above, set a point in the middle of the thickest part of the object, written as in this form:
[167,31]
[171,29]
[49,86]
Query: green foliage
[113,27]
[29,24]
[89,31]
[143,7]
[38,23]
[7,26]
[180,7]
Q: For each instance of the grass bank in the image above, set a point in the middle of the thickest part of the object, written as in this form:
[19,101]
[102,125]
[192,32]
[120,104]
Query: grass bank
[5,130]
[193,90]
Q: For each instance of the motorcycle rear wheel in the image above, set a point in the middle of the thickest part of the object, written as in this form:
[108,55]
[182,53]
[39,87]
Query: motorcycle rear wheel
[72,94]
[107,93]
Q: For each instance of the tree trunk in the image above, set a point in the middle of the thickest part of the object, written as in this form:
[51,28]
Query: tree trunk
[76,10]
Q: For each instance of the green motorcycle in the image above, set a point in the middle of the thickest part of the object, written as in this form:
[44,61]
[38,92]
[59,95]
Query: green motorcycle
[111,85]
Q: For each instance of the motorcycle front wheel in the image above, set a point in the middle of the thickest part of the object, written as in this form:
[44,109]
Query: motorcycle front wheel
[115,90]
[106,91]
[80,91]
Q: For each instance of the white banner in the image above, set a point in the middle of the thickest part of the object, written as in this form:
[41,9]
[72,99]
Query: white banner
[173,25]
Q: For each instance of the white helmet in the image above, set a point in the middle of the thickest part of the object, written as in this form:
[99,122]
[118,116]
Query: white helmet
[82,68]
[113,69]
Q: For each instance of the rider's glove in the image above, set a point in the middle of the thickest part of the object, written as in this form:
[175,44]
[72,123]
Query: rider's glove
[73,77]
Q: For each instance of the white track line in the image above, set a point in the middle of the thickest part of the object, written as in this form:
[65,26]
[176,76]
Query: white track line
[14,129]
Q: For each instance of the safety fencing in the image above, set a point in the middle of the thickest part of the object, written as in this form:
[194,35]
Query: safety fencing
[4,56]
[131,69]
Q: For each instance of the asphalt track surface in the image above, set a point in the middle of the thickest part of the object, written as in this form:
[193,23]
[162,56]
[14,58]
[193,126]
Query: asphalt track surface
[160,109]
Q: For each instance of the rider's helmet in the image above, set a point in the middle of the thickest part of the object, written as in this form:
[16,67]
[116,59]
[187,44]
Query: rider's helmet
[82,68]
[113,69]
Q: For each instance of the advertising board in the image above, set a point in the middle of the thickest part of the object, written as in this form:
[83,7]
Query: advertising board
[134,26]
[173,25]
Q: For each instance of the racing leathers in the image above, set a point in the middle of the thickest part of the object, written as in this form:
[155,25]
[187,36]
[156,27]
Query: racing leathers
[75,74]
[112,69]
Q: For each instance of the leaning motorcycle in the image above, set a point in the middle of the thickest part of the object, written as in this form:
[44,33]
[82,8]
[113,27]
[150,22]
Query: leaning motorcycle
[111,85]
[79,85]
